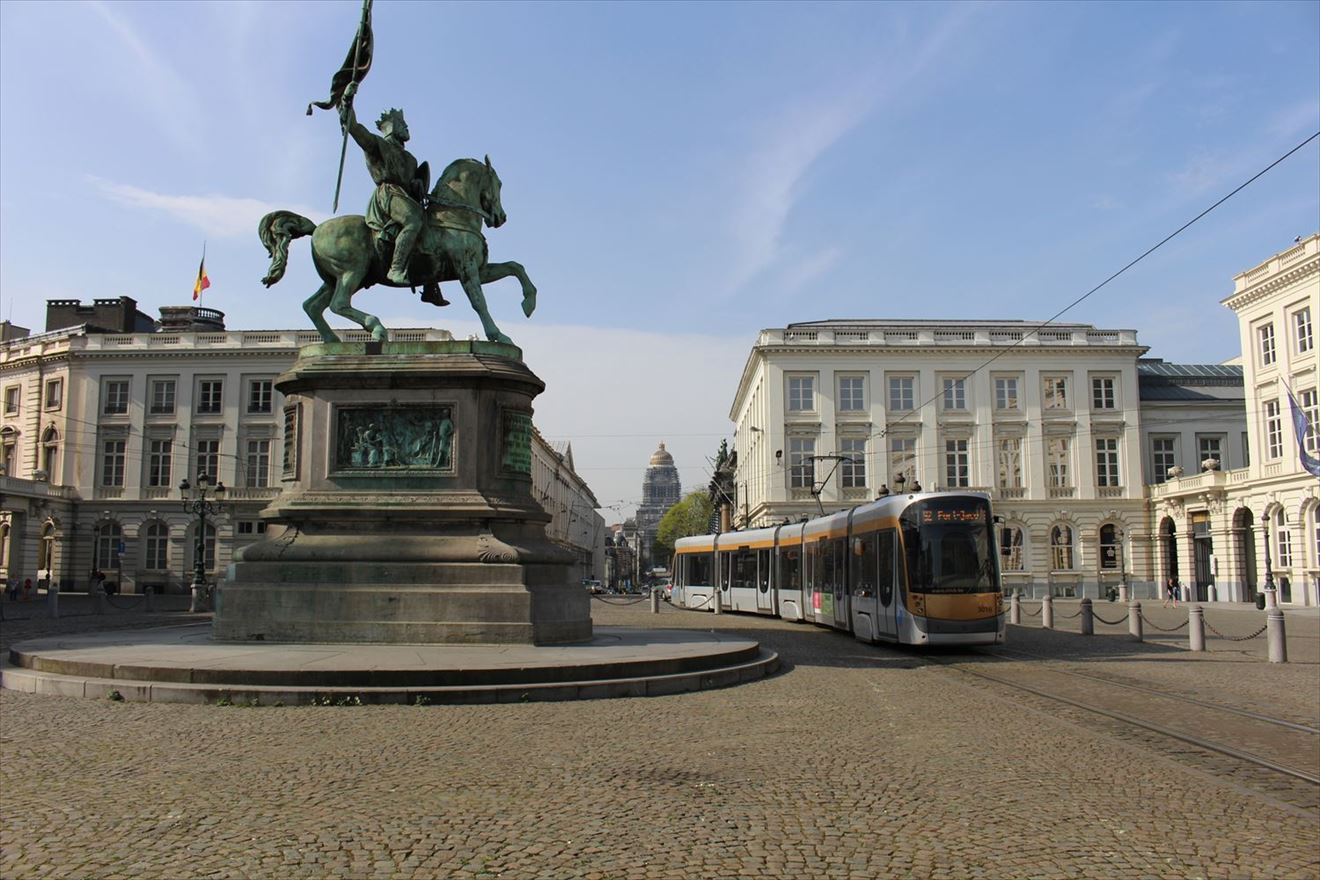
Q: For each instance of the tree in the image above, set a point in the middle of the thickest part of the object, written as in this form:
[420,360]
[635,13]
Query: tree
[691,516]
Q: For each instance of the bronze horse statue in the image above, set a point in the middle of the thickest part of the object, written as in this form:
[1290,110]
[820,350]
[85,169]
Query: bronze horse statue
[451,248]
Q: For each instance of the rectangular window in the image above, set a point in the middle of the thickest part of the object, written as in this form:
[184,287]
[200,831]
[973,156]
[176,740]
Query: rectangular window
[852,470]
[1273,430]
[801,462]
[852,393]
[112,462]
[116,397]
[210,396]
[1266,336]
[957,470]
[258,463]
[251,527]
[1058,455]
[260,394]
[903,458]
[157,547]
[955,394]
[12,396]
[1054,392]
[1006,393]
[1211,446]
[1246,450]
[902,392]
[208,460]
[1302,330]
[1102,392]
[159,456]
[1106,462]
[1008,454]
[7,455]
[1163,455]
[162,397]
[1309,401]
[54,393]
[801,393]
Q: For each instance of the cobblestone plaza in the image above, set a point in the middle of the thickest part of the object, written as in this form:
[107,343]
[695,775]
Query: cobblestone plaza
[854,761]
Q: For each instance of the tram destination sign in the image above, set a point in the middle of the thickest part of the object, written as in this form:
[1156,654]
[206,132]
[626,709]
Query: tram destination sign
[953,515]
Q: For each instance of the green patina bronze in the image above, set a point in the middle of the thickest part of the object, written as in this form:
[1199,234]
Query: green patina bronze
[393,439]
[409,236]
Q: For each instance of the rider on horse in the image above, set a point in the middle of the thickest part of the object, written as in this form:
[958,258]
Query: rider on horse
[401,185]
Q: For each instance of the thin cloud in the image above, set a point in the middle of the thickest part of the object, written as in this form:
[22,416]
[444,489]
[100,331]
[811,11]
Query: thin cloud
[774,181]
[216,215]
[171,101]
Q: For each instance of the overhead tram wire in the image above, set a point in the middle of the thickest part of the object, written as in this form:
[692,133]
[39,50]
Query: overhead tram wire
[1080,299]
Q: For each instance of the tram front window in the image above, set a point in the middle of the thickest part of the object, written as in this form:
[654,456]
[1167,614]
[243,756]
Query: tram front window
[949,546]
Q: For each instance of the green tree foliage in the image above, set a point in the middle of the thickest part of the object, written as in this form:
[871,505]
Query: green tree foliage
[691,516]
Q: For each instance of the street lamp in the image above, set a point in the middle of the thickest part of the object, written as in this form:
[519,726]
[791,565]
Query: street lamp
[196,502]
[1270,601]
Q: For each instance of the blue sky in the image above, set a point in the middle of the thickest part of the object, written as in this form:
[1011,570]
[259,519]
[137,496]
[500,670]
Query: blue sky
[677,176]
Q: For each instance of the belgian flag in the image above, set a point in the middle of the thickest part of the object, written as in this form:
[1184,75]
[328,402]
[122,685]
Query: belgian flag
[203,281]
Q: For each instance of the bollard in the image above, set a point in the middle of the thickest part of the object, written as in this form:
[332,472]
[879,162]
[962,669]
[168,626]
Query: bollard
[715,601]
[1196,628]
[1088,622]
[1015,610]
[1047,612]
[102,601]
[655,601]
[1134,620]
[52,600]
[1274,634]
[147,604]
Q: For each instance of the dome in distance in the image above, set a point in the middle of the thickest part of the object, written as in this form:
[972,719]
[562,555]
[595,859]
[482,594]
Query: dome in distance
[661,458]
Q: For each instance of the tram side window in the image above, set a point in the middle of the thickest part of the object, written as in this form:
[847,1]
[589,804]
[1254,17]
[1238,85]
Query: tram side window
[763,570]
[698,569]
[824,583]
[790,569]
[744,569]
[840,548]
[863,565]
[885,565]
[811,567]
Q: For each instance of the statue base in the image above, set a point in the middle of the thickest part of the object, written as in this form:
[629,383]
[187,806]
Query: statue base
[407,507]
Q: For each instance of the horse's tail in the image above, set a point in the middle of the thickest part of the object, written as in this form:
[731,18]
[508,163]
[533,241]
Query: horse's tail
[276,230]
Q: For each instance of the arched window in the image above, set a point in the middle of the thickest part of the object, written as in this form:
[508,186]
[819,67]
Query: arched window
[46,549]
[1010,548]
[105,551]
[50,454]
[1111,551]
[156,546]
[1061,548]
[1283,540]
[1315,531]
[8,450]
[4,545]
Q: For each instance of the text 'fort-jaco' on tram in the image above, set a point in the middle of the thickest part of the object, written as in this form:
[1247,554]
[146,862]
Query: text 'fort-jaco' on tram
[917,569]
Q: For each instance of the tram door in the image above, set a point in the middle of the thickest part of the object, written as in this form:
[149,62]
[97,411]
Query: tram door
[765,600]
[887,594]
[842,619]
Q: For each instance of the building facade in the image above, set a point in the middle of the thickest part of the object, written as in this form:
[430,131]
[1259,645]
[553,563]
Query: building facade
[829,414]
[1217,528]
[661,490]
[101,421]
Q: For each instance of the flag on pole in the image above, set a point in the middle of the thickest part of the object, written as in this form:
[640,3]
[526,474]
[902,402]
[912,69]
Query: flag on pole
[203,281]
[355,66]
[1302,427]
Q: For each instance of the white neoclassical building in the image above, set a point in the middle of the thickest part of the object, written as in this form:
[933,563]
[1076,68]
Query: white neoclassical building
[1216,527]
[102,418]
[1045,419]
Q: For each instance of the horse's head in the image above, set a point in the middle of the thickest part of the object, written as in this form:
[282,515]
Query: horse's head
[472,183]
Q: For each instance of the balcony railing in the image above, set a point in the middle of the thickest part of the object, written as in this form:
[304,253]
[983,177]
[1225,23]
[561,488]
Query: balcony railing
[1062,491]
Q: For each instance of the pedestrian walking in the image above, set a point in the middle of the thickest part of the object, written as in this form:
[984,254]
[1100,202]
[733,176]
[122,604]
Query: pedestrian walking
[1168,594]
[1175,591]
[11,590]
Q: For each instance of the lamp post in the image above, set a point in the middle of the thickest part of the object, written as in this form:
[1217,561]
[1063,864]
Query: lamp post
[1270,598]
[196,502]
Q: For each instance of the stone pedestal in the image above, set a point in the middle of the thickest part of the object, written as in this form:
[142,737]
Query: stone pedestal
[407,507]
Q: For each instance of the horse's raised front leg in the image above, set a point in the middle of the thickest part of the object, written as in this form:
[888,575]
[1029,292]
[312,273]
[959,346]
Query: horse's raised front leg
[471,275]
[495,271]
[342,304]
[315,309]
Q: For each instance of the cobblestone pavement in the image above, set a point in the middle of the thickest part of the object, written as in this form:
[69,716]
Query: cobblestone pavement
[855,762]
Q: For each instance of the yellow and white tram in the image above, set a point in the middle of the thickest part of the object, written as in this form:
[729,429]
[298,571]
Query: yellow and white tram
[918,569]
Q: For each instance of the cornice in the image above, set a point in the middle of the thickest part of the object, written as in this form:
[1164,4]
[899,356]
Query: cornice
[942,349]
[1238,301]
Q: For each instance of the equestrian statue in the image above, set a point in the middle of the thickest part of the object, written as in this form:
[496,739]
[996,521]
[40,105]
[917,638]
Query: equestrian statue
[409,237]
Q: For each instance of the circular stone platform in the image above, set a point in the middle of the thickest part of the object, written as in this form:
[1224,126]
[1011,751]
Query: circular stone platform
[182,664]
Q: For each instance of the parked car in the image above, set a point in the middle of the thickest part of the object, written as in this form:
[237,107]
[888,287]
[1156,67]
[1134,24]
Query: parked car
[593,586]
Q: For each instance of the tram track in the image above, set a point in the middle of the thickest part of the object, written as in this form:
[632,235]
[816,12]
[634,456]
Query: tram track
[1207,738]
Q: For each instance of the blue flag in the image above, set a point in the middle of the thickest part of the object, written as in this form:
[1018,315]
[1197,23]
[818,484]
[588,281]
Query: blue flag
[1302,428]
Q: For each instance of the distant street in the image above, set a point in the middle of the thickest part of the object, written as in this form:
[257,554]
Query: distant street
[854,762]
